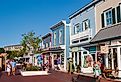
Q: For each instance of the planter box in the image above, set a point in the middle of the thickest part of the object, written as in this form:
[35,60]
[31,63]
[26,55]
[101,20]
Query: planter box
[33,73]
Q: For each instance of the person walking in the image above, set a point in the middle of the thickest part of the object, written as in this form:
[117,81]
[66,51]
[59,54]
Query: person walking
[13,64]
[58,63]
[8,68]
[97,70]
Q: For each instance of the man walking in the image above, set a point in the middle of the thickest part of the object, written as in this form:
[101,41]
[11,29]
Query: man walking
[13,64]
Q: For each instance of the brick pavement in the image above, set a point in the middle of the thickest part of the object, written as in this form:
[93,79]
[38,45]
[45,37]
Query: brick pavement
[53,77]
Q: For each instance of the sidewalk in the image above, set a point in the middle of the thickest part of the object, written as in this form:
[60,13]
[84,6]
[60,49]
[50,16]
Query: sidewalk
[92,75]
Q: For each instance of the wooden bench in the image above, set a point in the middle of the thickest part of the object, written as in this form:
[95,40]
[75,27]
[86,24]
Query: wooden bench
[107,73]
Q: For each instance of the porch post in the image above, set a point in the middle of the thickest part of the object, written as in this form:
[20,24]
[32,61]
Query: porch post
[119,61]
[74,59]
[78,58]
[112,58]
[106,60]
[52,60]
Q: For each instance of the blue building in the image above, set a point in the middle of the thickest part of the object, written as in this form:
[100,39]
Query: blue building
[82,30]
[60,43]
[46,45]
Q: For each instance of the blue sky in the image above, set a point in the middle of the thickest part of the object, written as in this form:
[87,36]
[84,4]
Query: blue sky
[21,16]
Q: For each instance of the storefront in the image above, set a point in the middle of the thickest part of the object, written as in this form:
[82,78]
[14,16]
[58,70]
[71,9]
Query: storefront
[109,47]
[81,57]
[47,59]
[57,53]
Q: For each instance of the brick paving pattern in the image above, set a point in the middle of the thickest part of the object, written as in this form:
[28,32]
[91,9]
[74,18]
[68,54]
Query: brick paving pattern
[53,77]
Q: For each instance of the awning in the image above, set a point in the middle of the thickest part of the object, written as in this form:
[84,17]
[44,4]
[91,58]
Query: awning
[109,33]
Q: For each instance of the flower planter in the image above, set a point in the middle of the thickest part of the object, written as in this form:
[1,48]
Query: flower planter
[33,73]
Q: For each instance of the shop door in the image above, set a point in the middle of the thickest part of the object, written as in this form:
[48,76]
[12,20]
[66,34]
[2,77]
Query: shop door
[114,51]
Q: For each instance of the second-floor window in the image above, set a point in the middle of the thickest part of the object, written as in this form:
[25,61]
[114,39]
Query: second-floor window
[76,28]
[60,36]
[54,38]
[85,24]
[47,45]
[108,17]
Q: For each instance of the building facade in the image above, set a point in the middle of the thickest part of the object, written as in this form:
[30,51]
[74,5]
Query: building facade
[60,43]
[108,37]
[47,43]
[81,32]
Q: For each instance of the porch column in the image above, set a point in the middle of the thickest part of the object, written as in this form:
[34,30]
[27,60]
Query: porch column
[119,61]
[52,60]
[112,59]
[106,60]
[77,58]
[74,59]
[65,60]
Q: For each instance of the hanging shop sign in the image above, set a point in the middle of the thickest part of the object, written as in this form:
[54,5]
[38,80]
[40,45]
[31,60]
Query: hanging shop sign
[104,49]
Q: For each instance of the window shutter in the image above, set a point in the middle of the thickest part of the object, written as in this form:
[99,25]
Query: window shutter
[113,16]
[118,14]
[102,18]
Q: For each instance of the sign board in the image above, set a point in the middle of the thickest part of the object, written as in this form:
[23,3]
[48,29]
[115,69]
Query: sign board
[104,49]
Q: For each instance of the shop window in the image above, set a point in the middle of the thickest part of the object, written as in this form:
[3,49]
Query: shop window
[80,58]
[76,58]
[115,58]
[93,56]
[84,52]
[87,61]
[62,58]
[109,59]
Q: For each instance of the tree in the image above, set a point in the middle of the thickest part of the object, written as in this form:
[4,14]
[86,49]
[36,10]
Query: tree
[13,54]
[2,50]
[30,43]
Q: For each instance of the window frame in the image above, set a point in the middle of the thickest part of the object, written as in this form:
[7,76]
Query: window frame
[60,36]
[55,34]
[84,26]
[77,28]
[110,17]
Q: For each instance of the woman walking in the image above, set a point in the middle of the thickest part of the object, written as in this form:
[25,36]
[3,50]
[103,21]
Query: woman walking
[8,68]
[97,71]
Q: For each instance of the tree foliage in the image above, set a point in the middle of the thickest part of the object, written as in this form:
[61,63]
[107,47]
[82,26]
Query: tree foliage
[13,54]
[2,50]
[30,42]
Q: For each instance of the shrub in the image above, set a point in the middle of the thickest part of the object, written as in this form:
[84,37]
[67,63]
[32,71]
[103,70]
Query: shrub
[32,68]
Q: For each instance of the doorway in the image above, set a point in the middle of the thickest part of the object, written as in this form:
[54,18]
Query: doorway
[114,52]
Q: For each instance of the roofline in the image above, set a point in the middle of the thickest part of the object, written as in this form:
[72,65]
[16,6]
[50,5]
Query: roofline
[58,24]
[13,45]
[92,3]
[48,34]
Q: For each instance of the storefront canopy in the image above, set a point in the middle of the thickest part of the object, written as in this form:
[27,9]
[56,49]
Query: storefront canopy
[108,33]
